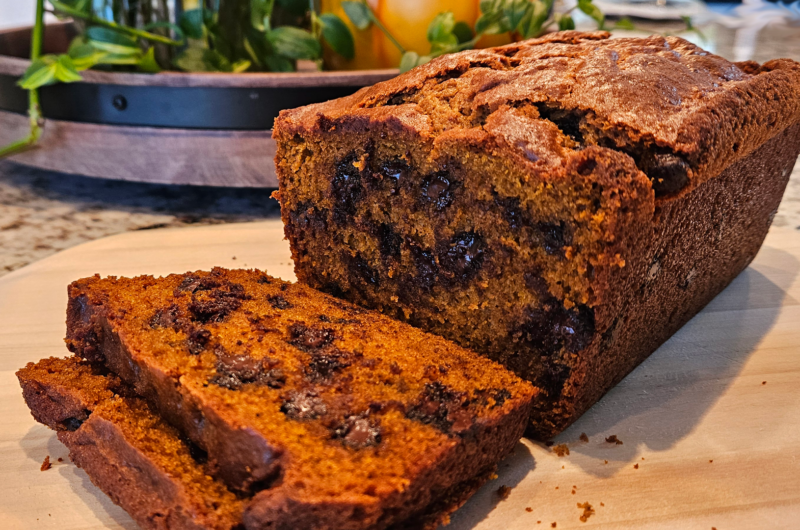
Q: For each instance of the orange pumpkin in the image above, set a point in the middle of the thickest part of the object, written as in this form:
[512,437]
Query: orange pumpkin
[407,21]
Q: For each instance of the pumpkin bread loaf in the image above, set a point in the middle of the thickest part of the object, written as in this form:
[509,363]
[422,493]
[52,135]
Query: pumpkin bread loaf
[322,414]
[561,205]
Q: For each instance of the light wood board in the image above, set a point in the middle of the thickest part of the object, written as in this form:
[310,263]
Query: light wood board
[699,398]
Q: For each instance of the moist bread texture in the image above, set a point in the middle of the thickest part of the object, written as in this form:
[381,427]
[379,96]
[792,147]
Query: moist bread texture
[561,205]
[321,414]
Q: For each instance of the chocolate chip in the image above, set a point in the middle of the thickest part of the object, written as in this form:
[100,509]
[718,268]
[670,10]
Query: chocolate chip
[668,172]
[427,268]
[462,257]
[303,405]
[500,396]
[512,212]
[359,268]
[308,338]
[550,327]
[278,302]
[264,280]
[234,371]
[166,318]
[554,377]
[325,363]
[359,432]
[346,189]
[392,174]
[389,241]
[197,340]
[72,424]
[554,236]
[439,406]
[307,217]
[438,189]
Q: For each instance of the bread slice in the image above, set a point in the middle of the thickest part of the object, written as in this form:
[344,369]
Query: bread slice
[561,205]
[143,464]
[327,415]
[131,454]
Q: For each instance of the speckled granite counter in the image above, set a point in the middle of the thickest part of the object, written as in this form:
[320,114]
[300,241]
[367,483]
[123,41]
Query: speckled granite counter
[43,212]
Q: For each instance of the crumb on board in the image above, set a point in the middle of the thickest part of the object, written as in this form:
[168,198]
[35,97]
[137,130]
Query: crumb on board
[635,466]
[710,461]
[614,440]
[574,492]
[60,459]
[763,382]
[561,450]
[562,467]
[552,525]
[503,492]
[46,464]
[601,504]
[642,458]
[549,443]
[583,437]
[528,509]
[588,511]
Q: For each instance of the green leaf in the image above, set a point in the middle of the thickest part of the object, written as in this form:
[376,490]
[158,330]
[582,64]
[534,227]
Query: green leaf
[337,35]
[294,43]
[441,27]
[592,10]
[276,63]
[536,19]
[148,62]
[408,61]
[625,23]
[192,23]
[241,66]
[440,33]
[260,13]
[358,13]
[197,59]
[83,54]
[515,12]
[41,72]
[65,71]
[463,32]
[102,34]
[116,49]
[164,24]
[565,22]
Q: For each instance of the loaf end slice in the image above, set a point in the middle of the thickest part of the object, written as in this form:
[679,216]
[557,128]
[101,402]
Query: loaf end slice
[130,453]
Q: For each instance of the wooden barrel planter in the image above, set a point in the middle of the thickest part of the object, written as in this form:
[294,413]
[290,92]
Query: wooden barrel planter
[175,128]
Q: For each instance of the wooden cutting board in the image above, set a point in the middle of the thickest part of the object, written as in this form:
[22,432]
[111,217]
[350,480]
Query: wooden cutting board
[710,423]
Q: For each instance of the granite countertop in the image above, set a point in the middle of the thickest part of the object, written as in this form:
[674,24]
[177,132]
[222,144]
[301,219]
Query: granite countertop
[43,212]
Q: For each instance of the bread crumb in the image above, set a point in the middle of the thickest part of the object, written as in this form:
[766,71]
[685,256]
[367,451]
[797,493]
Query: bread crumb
[710,461]
[601,504]
[233,258]
[562,467]
[614,440]
[583,437]
[493,477]
[574,492]
[552,525]
[635,466]
[561,450]
[763,382]
[60,459]
[46,464]
[642,458]
[588,511]
[605,461]
[503,492]
[556,487]
[528,509]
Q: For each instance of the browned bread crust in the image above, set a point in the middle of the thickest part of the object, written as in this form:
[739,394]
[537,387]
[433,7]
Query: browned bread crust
[561,205]
[325,414]
[127,451]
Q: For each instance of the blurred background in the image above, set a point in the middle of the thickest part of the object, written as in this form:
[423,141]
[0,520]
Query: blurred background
[85,179]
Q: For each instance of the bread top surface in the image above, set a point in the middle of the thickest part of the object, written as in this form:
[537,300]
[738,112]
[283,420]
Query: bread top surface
[357,404]
[659,94]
